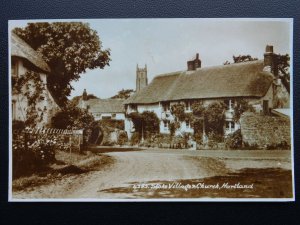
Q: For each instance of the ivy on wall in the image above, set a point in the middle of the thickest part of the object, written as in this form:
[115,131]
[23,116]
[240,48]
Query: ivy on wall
[33,88]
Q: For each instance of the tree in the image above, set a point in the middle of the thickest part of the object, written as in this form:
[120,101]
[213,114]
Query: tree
[146,122]
[71,117]
[198,111]
[241,58]
[124,94]
[215,118]
[178,111]
[69,48]
[283,68]
[240,107]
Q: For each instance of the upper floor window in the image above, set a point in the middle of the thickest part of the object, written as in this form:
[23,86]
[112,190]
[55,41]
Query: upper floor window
[133,107]
[187,105]
[229,103]
[166,106]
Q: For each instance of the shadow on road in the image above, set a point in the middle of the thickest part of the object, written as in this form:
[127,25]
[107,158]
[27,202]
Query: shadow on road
[246,183]
[105,149]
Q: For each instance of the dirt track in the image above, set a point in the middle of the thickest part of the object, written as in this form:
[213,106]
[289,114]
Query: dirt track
[153,165]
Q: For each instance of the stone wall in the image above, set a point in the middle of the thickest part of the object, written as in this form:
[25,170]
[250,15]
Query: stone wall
[264,131]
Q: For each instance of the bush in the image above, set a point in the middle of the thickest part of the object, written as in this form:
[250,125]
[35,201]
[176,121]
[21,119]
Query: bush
[283,145]
[247,146]
[18,125]
[135,138]
[122,138]
[234,140]
[30,155]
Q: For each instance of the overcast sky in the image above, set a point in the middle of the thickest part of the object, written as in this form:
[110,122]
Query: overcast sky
[166,44]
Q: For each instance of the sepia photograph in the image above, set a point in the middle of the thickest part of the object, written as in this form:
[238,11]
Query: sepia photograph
[151,110]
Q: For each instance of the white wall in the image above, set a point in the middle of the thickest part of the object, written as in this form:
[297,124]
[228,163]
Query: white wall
[20,103]
[115,116]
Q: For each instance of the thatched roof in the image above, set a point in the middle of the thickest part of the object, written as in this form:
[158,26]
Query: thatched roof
[234,80]
[21,49]
[105,105]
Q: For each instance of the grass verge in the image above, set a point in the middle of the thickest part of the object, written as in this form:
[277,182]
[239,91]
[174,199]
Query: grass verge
[67,164]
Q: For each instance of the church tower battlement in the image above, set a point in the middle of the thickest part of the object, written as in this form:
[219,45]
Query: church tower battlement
[141,78]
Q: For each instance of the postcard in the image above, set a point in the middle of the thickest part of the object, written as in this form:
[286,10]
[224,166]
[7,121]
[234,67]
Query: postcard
[151,110]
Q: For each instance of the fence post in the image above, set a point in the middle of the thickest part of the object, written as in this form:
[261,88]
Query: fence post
[70,139]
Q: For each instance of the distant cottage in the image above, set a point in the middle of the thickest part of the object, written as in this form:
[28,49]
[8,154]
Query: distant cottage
[25,59]
[103,108]
[255,81]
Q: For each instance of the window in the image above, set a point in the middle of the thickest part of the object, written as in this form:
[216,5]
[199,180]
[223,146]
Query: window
[165,124]
[133,107]
[13,110]
[229,103]
[187,105]
[229,126]
[166,106]
[14,68]
[187,124]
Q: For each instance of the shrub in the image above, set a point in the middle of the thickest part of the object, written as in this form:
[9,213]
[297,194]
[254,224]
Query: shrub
[215,118]
[31,154]
[122,138]
[283,145]
[247,146]
[18,125]
[234,140]
[146,122]
[135,138]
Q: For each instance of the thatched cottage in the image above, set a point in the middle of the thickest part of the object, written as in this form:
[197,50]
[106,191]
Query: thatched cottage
[23,60]
[257,81]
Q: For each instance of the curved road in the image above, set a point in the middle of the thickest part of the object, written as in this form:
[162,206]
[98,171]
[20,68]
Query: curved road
[116,181]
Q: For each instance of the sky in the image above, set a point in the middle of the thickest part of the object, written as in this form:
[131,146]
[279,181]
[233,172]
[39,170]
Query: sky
[166,45]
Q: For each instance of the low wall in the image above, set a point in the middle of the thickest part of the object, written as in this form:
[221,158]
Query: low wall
[265,131]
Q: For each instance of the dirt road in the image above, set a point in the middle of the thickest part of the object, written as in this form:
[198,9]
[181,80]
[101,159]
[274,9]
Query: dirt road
[137,167]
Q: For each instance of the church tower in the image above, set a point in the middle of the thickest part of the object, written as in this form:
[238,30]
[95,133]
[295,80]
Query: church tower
[141,78]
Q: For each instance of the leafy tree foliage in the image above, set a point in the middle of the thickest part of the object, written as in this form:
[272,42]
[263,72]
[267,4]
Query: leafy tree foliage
[31,86]
[123,94]
[283,67]
[71,117]
[146,122]
[173,126]
[215,118]
[178,111]
[240,107]
[241,58]
[69,48]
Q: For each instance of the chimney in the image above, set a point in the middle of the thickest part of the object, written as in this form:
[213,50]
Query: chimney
[194,63]
[270,61]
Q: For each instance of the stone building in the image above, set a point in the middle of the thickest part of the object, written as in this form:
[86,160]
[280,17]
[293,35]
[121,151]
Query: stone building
[256,81]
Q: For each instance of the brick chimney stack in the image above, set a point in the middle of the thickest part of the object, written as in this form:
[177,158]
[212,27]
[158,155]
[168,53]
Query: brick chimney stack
[194,64]
[270,61]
